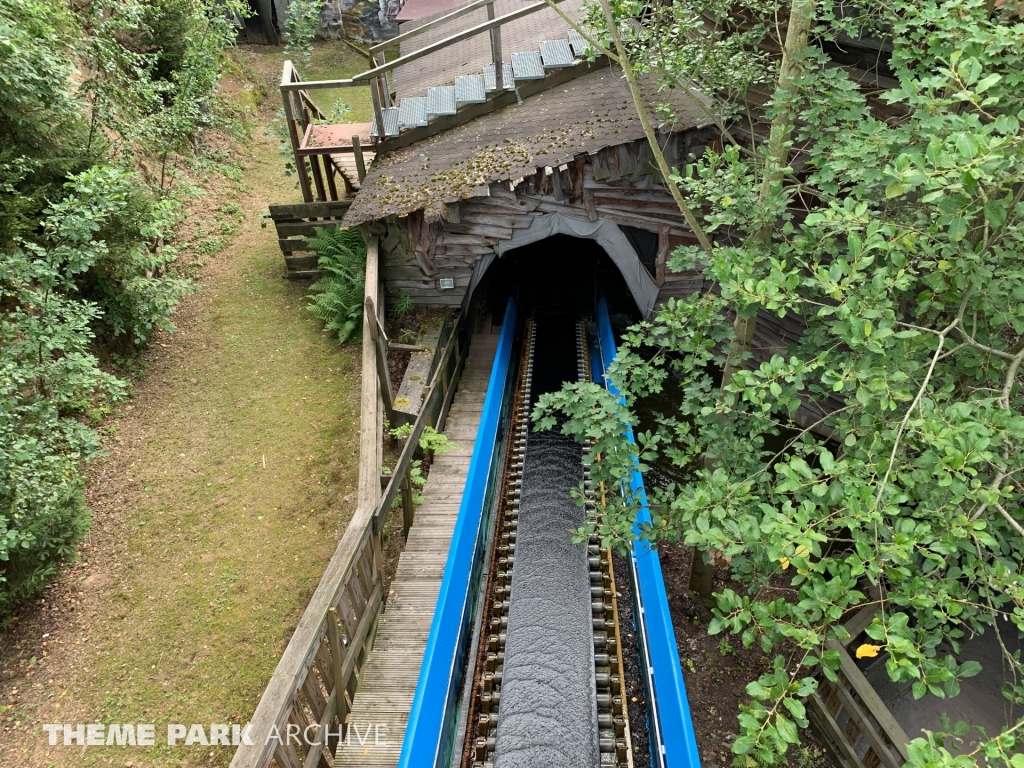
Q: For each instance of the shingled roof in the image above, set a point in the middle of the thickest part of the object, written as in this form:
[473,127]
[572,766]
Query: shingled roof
[545,130]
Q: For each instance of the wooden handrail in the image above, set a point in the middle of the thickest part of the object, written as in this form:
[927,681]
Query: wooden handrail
[429,25]
[457,37]
[313,85]
[441,383]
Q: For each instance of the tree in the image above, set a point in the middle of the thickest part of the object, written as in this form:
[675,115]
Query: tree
[87,100]
[899,245]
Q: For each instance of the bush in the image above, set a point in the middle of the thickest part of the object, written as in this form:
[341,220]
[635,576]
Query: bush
[42,513]
[83,259]
[338,296]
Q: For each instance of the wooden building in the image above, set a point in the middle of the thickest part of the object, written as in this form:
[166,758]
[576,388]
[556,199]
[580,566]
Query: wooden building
[466,168]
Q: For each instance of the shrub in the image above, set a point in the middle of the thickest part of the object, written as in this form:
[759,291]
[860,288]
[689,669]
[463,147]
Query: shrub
[337,298]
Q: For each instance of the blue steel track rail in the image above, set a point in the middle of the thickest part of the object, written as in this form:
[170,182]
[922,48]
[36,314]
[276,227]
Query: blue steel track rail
[430,731]
[673,741]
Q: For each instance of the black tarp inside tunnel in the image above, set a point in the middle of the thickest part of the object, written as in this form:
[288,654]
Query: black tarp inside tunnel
[548,711]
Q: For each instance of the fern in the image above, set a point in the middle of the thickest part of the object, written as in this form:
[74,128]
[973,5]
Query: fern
[337,297]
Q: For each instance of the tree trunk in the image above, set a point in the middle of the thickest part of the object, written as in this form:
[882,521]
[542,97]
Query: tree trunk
[801,16]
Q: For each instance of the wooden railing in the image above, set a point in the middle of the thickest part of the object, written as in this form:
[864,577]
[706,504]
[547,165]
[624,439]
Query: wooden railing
[303,710]
[299,107]
[318,177]
[849,715]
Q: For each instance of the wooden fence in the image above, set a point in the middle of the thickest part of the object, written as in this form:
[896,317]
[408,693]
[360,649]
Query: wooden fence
[311,691]
[294,223]
[319,177]
[859,730]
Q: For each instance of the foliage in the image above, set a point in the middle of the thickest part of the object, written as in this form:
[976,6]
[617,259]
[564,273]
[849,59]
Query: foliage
[89,100]
[402,307]
[432,443]
[899,244]
[337,297]
[302,25]
[48,377]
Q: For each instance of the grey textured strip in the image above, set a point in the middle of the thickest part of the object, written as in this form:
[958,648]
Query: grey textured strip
[548,713]
[412,112]
[441,100]
[556,53]
[509,80]
[527,65]
[469,89]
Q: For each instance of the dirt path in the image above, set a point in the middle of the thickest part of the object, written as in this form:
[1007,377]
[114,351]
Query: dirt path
[230,477]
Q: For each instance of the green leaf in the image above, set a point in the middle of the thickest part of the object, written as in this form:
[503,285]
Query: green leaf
[745,743]
[969,668]
[757,691]
[995,212]
[957,229]
[987,82]
[796,708]
[787,729]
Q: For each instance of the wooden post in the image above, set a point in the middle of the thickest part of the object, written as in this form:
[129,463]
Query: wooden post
[329,173]
[337,665]
[377,111]
[318,179]
[382,364]
[495,32]
[300,163]
[408,507]
[357,150]
[379,61]
[663,250]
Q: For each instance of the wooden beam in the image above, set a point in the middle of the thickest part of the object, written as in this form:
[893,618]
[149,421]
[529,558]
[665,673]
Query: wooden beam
[316,85]
[357,150]
[334,208]
[369,425]
[835,734]
[381,361]
[496,60]
[871,699]
[663,250]
[378,113]
[338,654]
[457,37]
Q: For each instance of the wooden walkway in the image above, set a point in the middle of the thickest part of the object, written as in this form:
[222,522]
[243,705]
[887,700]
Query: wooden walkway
[388,681]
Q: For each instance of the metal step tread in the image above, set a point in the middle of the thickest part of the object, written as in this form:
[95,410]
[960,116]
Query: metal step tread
[526,65]
[508,78]
[441,100]
[391,128]
[556,53]
[412,112]
[579,44]
[469,89]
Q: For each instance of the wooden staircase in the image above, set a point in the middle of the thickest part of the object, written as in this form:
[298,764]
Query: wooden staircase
[387,684]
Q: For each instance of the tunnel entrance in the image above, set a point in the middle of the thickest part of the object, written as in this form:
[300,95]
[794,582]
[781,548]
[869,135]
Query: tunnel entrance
[560,275]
